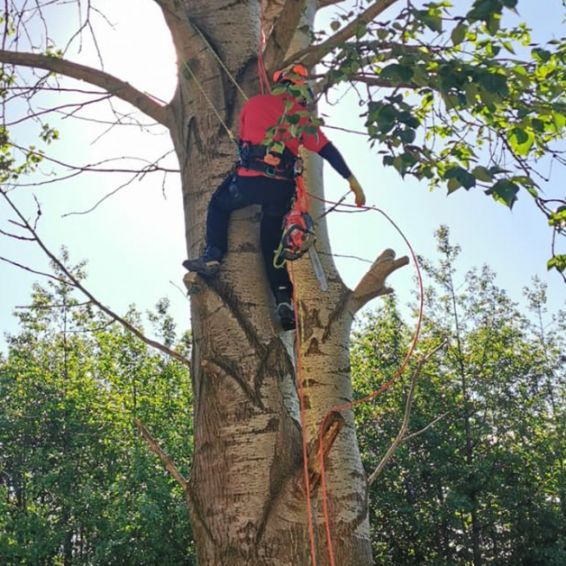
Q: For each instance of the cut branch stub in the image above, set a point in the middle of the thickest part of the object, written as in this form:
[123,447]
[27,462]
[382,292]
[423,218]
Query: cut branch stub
[191,282]
[320,448]
[372,283]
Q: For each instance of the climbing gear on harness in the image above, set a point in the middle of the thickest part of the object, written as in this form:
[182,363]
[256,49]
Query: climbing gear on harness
[298,236]
[284,308]
[268,160]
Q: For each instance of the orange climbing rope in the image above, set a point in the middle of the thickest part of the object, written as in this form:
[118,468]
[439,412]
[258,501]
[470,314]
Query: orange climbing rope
[264,84]
[349,405]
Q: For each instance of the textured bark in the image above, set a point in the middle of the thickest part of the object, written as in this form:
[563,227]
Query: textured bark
[248,492]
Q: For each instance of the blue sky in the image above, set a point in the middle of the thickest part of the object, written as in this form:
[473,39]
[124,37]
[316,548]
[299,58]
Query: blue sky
[134,242]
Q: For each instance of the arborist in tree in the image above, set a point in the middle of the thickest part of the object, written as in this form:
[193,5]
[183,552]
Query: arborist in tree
[272,127]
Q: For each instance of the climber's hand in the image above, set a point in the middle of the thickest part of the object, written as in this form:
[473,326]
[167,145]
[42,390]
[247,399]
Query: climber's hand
[356,188]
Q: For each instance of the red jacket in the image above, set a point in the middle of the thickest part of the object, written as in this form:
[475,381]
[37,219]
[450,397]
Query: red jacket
[262,112]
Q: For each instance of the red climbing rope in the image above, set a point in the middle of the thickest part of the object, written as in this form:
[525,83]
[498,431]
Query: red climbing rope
[352,404]
[264,85]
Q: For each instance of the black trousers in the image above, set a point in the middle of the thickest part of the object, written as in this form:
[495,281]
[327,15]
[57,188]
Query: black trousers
[235,192]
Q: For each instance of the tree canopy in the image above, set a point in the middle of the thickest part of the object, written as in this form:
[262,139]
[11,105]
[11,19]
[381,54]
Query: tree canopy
[483,441]
[458,96]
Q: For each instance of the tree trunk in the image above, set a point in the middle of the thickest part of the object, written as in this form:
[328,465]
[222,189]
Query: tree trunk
[247,493]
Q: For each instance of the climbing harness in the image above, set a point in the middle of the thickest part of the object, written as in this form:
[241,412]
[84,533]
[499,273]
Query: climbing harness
[268,160]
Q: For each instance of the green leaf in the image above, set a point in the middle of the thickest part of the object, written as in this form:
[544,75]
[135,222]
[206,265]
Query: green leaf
[459,33]
[408,135]
[521,140]
[504,191]
[396,72]
[557,262]
[559,121]
[386,118]
[538,125]
[464,178]
[495,83]
[483,9]
[541,55]
[482,174]
[558,217]
[493,23]
[495,169]
[453,185]
[508,46]
[420,75]
[408,119]
[431,21]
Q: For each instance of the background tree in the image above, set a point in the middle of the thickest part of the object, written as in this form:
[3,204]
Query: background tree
[246,420]
[484,484]
[77,483]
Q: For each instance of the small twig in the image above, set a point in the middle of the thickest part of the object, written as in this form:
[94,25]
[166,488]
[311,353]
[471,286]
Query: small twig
[72,280]
[424,429]
[183,292]
[34,271]
[402,434]
[15,236]
[52,307]
[166,460]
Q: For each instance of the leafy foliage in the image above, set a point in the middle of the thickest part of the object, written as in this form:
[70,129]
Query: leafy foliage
[486,483]
[459,97]
[78,484]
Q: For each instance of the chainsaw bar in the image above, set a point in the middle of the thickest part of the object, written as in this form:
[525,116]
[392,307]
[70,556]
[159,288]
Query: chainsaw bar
[318,269]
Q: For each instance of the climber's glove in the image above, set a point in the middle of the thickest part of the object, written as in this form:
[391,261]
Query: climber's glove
[356,188]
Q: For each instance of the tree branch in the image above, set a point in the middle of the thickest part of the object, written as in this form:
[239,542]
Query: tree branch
[325,3]
[324,82]
[31,270]
[72,280]
[282,33]
[108,82]
[163,456]
[372,283]
[402,434]
[312,55]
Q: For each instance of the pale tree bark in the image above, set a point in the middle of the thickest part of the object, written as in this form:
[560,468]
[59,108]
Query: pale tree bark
[247,475]
[246,492]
